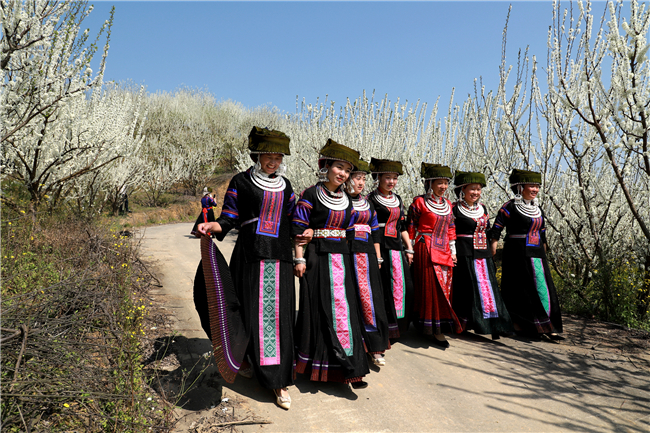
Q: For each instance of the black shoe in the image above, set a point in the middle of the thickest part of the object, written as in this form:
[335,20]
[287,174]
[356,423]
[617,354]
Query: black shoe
[495,336]
[554,336]
[359,385]
[444,343]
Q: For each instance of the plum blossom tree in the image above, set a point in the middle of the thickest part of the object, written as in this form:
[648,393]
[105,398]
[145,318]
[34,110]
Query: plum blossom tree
[58,122]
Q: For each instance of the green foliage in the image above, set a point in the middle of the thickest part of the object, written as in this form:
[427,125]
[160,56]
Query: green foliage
[616,291]
[73,300]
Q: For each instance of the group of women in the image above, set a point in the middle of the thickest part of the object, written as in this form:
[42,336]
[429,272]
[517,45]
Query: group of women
[367,269]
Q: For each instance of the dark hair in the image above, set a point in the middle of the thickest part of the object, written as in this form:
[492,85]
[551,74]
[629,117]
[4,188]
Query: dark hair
[457,191]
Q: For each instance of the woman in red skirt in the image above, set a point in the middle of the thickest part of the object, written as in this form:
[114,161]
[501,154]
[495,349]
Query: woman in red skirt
[431,226]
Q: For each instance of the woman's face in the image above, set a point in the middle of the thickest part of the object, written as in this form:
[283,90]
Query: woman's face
[270,162]
[439,186]
[530,191]
[338,173]
[472,192]
[388,181]
[358,181]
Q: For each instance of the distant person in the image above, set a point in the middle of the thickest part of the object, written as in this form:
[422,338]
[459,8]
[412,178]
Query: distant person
[124,201]
[329,343]
[431,226]
[207,213]
[476,296]
[260,202]
[526,283]
[366,258]
[396,248]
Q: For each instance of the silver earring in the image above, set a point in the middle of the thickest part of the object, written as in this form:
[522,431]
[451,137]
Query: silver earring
[322,174]
[282,169]
[257,165]
[518,197]
[461,196]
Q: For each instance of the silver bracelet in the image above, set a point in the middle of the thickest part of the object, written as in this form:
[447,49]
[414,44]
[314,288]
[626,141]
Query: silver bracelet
[409,251]
[298,261]
[380,260]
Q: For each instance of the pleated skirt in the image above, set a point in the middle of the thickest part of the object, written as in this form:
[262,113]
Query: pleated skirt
[433,313]
[477,299]
[328,330]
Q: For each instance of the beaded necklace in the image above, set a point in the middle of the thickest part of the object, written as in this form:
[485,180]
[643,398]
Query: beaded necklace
[360,204]
[529,208]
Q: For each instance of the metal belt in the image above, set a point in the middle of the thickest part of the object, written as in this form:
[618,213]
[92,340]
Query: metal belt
[329,233]
[516,236]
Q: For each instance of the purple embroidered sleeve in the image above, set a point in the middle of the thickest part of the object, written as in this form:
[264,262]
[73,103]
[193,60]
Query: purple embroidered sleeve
[291,206]
[301,215]
[230,208]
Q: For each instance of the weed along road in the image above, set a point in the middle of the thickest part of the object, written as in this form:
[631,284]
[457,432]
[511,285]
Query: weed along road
[475,385]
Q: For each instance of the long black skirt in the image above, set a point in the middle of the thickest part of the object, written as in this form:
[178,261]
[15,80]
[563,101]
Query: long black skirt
[374,324]
[328,331]
[206,216]
[477,300]
[397,284]
[266,304]
[528,291]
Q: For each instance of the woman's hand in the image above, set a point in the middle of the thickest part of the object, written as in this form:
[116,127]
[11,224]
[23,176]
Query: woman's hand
[304,238]
[454,259]
[409,257]
[493,248]
[299,269]
[207,228]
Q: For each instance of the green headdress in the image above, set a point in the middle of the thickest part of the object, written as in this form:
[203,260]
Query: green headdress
[435,171]
[363,167]
[264,140]
[522,177]
[378,166]
[467,177]
[338,152]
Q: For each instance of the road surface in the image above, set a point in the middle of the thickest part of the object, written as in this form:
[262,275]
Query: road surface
[476,385]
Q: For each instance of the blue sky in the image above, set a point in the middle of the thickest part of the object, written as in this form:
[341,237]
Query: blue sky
[270,52]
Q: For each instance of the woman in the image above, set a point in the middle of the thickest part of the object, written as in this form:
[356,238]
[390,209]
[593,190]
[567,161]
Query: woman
[431,225]
[526,284]
[207,214]
[260,202]
[395,274]
[328,331]
[477,299]
[367,259]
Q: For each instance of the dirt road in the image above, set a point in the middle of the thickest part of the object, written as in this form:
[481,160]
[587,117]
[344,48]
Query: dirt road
[475,385]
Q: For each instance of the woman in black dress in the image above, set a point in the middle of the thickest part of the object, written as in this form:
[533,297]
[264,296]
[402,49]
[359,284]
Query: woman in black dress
[526,285]
[207,214]
[477,299]
[328,331]
[260,202]
[396,248]
[366,259]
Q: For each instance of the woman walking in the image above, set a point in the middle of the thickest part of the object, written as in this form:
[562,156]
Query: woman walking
[477,299]
[328,331]
[526,285]
[431,225]
[396,248]
[207,214]
[366,259]
[260,201]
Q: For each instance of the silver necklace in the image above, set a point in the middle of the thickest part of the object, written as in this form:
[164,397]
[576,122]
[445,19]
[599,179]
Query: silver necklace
[266,183]
[388,201]
[360,204]
[474,211]
[529,208]
[441,208]
[333,200]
